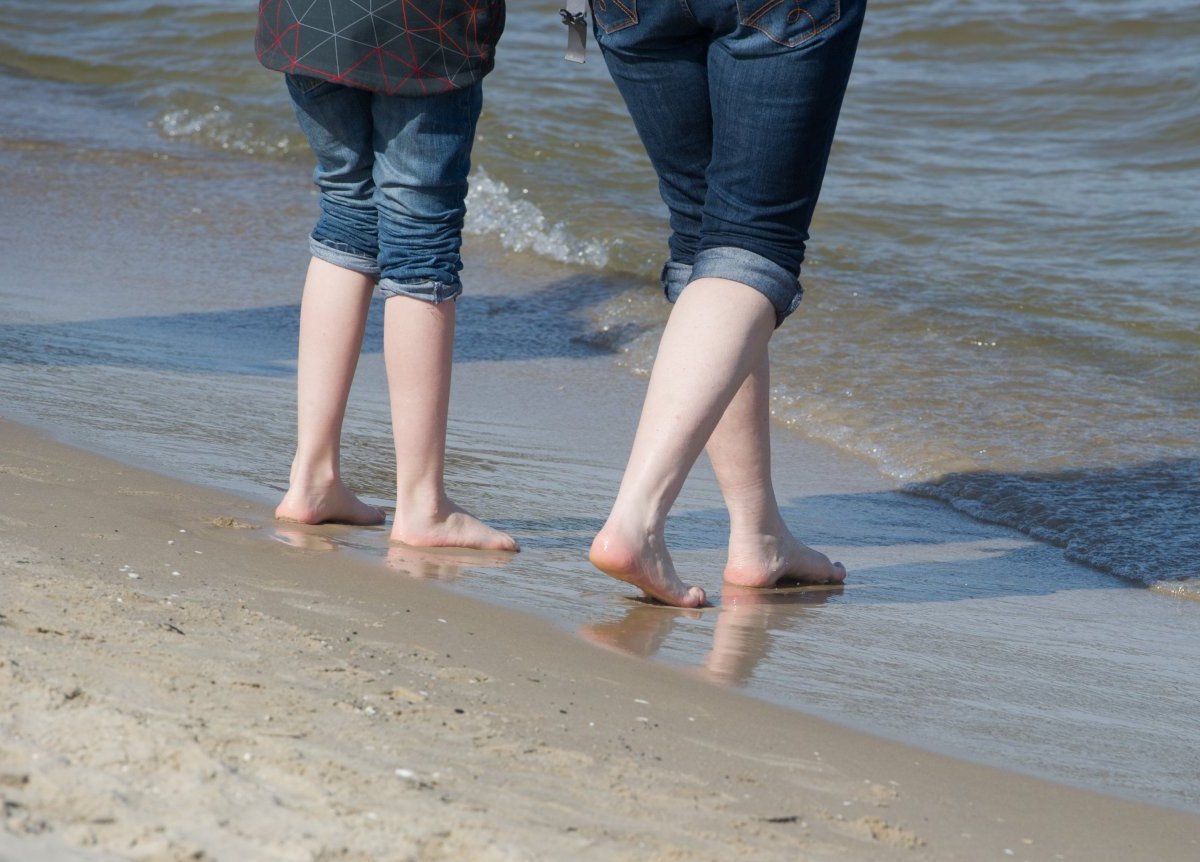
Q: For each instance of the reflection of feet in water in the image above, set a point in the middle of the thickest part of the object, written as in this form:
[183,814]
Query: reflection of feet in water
[441,565]
[785,595]
[741,635]
[297,537]
[641,631]
[741,628]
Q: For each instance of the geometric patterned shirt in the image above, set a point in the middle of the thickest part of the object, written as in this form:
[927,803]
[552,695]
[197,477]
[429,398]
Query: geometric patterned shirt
[410,47]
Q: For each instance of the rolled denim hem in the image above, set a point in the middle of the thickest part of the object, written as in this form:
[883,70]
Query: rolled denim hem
[675,277]
[780,287]
[345,259]
[424,289]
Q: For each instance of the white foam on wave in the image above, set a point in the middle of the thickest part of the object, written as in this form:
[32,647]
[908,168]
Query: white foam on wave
[217,127]
[1186,589]
[493,209]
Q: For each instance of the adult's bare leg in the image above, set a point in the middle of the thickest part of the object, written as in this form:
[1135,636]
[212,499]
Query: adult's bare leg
[418,346]
[762,550]
[333,317]
[716,334]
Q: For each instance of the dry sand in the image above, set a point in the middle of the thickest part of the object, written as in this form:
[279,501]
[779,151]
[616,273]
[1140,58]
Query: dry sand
[178,686]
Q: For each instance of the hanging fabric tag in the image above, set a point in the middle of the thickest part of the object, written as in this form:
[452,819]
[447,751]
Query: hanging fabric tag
[575,17]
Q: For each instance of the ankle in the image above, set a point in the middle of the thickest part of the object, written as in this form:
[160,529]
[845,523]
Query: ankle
[318,474]
[755,524]
[422,499]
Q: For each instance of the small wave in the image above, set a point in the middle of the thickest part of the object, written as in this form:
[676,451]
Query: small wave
[218,127]
[839,417]
[1140,523]
[494,210]
[1188,589]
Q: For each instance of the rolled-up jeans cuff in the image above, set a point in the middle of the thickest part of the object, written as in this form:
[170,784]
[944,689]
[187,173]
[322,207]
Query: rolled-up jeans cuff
[780,287]
[675,277]
[344,258]
[426,289]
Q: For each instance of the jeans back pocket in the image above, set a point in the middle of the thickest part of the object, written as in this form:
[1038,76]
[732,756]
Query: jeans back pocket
[614,15]
[789,22]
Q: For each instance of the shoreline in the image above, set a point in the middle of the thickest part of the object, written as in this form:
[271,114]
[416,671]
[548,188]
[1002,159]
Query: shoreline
[950,635]
[271,702]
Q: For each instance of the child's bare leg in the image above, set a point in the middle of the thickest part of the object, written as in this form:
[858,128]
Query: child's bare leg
[333,316]
[716,333]
[418,344]
[762,550]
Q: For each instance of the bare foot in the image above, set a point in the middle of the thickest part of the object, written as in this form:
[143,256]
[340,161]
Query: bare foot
[767,560]
[646,564]
[327,504]
[449,526]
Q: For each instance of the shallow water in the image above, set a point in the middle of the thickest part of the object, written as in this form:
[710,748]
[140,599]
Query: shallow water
[1000,309]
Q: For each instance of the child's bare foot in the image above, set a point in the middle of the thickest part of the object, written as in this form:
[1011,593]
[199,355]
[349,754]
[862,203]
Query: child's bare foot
[449,526]
[327,504]
[646,564]
[766,560]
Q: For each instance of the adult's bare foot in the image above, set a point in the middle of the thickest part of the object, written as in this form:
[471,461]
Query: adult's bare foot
[768,560]
[448,526]
[327,504]
[645,564]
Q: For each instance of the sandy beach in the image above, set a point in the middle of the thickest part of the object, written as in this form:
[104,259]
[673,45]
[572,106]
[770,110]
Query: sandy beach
[181,684]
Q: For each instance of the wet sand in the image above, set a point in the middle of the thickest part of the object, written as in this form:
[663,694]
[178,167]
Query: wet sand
[181,686]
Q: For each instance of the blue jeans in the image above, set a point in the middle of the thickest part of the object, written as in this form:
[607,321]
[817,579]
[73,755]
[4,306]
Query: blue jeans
[736,102]
[392,171]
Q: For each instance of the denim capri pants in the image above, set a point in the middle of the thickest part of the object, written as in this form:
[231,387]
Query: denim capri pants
[736,102]
[392,172]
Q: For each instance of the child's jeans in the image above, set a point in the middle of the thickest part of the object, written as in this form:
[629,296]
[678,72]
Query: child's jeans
[736,102]
[392,171]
